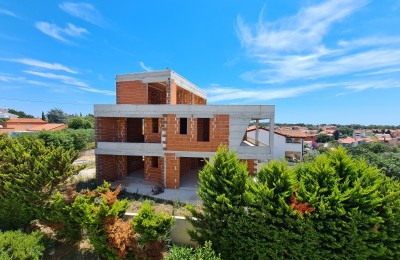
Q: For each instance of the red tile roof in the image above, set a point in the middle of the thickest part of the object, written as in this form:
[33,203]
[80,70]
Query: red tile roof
[26,120]
[49,127]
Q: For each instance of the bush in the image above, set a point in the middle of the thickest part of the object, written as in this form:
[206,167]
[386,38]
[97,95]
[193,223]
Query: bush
[80,122]
[30,173]
[94,212]
[189,253]
[68,139]
[100,214]
[17,245]
[153,230]
[332,207]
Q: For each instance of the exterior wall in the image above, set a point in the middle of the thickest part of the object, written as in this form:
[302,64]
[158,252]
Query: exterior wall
[171,93]
[219,134]
[23,126]
[110,167]
[279,142]
[151,173]
[131,92]
[149,136]
[156,96]
[172,171]
[251,166]
[110,129]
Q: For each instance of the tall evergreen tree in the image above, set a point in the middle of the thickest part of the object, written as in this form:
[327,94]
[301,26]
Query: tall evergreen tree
[30,173]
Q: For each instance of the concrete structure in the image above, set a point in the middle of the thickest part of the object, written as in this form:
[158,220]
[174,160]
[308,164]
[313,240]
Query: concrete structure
[162,127]
[288,144]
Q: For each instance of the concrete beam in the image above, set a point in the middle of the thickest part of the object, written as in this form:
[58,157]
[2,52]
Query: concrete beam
[129,149]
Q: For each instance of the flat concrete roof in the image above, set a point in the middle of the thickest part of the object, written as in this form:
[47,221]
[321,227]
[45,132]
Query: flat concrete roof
[163,76]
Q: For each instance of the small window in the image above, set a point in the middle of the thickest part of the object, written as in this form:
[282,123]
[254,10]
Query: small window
[154,125]
[154,162]
[183,126]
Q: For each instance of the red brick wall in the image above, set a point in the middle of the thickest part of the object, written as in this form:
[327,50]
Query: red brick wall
[110,167]
[171,95]
[198,100]
[251,165]
[131,92]
[153,174]
[183,96]
[156,96]
[172,169]
[110,129]
[149,136]
[219,134]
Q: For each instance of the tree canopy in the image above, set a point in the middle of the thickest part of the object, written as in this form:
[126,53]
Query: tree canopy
[331,207]
[56,115]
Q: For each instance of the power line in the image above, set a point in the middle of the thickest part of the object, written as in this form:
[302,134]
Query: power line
[49,102]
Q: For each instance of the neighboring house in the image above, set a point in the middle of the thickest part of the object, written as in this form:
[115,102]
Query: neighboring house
[161,130]
[23,125]
[359,133]
[383,136]
[5,114]
[387,140]
[288,144]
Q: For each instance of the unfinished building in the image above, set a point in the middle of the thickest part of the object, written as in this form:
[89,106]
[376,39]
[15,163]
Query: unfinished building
[162,129]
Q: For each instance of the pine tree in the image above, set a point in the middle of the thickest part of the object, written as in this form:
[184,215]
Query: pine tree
[43,116]
[222,185]
[30,173]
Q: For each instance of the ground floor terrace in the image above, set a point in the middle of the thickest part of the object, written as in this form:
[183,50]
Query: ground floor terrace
[145,172]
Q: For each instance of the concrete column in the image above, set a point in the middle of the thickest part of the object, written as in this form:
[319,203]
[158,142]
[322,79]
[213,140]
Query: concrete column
[257,127]
[271,135]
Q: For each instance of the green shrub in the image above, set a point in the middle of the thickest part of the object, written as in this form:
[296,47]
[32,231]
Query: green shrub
[332,207]
[153,230]
[18,245]
[79,139]
[80,122]
[30,173]
[151,226]
[189,253]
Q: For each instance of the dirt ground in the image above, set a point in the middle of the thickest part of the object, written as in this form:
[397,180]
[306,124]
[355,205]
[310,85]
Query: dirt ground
[87,158]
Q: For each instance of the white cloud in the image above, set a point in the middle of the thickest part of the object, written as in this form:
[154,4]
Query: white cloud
[294,48]
[316,66]
[146,68]
[218,94]
[8,12]
[303,31]
[58,33]
[10,79]
[100,91]
[42,64]
[70,81]
[84,11]
[64,79]
[377,84]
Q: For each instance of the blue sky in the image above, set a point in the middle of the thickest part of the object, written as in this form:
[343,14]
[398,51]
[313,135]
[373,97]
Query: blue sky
[317,61]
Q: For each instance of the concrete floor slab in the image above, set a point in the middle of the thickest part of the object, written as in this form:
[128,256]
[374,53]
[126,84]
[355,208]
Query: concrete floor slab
[140,186]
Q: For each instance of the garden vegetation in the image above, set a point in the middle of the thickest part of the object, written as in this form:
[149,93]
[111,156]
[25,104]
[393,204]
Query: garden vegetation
[329,208]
